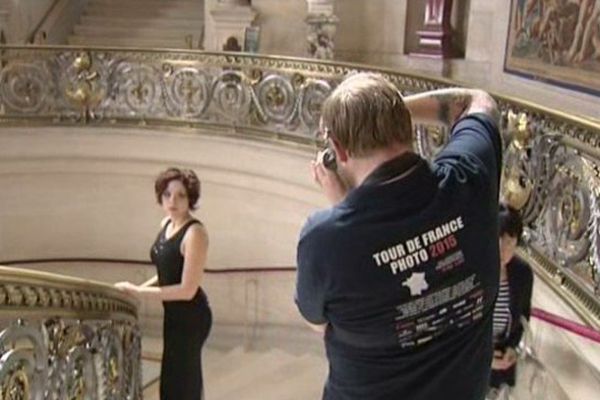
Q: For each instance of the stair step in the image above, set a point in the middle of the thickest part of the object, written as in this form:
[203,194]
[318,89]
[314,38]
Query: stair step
[244,365]
[146,12]
[141,4]
[273,382]
[131,42]
[253,371]
[223,365]
[179,23]
[250,375]
[178,3]
[131,32]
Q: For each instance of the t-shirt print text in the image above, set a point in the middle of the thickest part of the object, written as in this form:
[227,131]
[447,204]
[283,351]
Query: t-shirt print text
[425,318]
[432,244]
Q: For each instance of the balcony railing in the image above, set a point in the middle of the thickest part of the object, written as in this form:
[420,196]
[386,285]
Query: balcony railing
[552,160]
[66,338]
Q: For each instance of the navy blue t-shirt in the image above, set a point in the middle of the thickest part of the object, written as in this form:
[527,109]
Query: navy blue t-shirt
[405,271]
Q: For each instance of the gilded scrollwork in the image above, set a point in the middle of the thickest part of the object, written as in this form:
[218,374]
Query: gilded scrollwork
[81,379]
[430,139]
[68,339]
[138,89]
[231,96]
[277,98]
[592,176]
[83,90]
[567,214]
[24,88]
[253,91]
[111,363]
[187,92]
[16,385]
[527,166]
[23,359]
[63,359]
[313,93]
[550,167]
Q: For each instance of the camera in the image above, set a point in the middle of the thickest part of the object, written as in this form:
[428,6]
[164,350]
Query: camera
[325,153]
[327,156]
[329,160]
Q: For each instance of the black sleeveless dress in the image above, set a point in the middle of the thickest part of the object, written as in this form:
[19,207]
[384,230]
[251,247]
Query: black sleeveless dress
[186,323]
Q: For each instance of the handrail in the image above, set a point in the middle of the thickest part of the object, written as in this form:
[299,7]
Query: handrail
[536,312]
[31,37]
[546,316]
[553,319]
[33,292]
[143,262]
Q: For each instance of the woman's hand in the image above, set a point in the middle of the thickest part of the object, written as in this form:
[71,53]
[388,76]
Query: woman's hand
[127,287]
[504,360]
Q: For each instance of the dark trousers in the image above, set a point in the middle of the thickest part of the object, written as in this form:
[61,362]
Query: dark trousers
[184,334]
[500,377]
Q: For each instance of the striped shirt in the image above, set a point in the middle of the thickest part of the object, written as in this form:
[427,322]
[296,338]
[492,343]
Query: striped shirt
[502,311]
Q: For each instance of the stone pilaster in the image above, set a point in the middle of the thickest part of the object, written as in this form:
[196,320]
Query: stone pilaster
[226,23]
[322,25]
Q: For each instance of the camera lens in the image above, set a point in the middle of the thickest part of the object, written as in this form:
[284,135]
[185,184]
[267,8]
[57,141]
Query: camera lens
[329,159]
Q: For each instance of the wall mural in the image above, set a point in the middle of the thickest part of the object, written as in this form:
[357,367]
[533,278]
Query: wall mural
[557,41]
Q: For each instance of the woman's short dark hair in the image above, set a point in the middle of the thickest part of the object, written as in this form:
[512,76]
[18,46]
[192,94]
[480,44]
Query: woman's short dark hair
[510,222]
[186,176]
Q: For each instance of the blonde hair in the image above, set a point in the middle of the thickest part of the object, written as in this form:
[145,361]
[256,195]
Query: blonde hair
[365,113]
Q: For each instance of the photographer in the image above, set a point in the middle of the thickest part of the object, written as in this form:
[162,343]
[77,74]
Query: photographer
[402,271]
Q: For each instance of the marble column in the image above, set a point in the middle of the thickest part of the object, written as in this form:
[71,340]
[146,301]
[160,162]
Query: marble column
[322,25]
[226,24]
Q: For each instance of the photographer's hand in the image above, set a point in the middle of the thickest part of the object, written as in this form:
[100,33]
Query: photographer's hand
[504,360]
[333,187]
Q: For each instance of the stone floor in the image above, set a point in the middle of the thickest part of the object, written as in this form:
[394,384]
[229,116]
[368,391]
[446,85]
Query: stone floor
[244,374]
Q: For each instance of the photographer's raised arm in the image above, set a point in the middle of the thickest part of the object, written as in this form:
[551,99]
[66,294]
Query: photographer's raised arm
[448,105]
[475,145]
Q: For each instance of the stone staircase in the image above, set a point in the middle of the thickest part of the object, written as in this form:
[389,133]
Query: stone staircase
[176,24]
[240,374]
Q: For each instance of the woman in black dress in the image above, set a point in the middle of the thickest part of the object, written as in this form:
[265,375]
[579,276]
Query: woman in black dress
[179,254]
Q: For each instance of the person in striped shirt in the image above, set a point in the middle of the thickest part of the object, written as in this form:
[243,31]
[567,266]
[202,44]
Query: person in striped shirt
[513,301]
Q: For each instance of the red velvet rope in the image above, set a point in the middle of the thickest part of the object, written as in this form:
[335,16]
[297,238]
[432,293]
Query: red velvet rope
[566,324]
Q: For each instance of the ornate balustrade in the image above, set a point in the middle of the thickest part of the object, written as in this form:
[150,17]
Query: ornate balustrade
[552,160]
[245,92]
[65,338]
